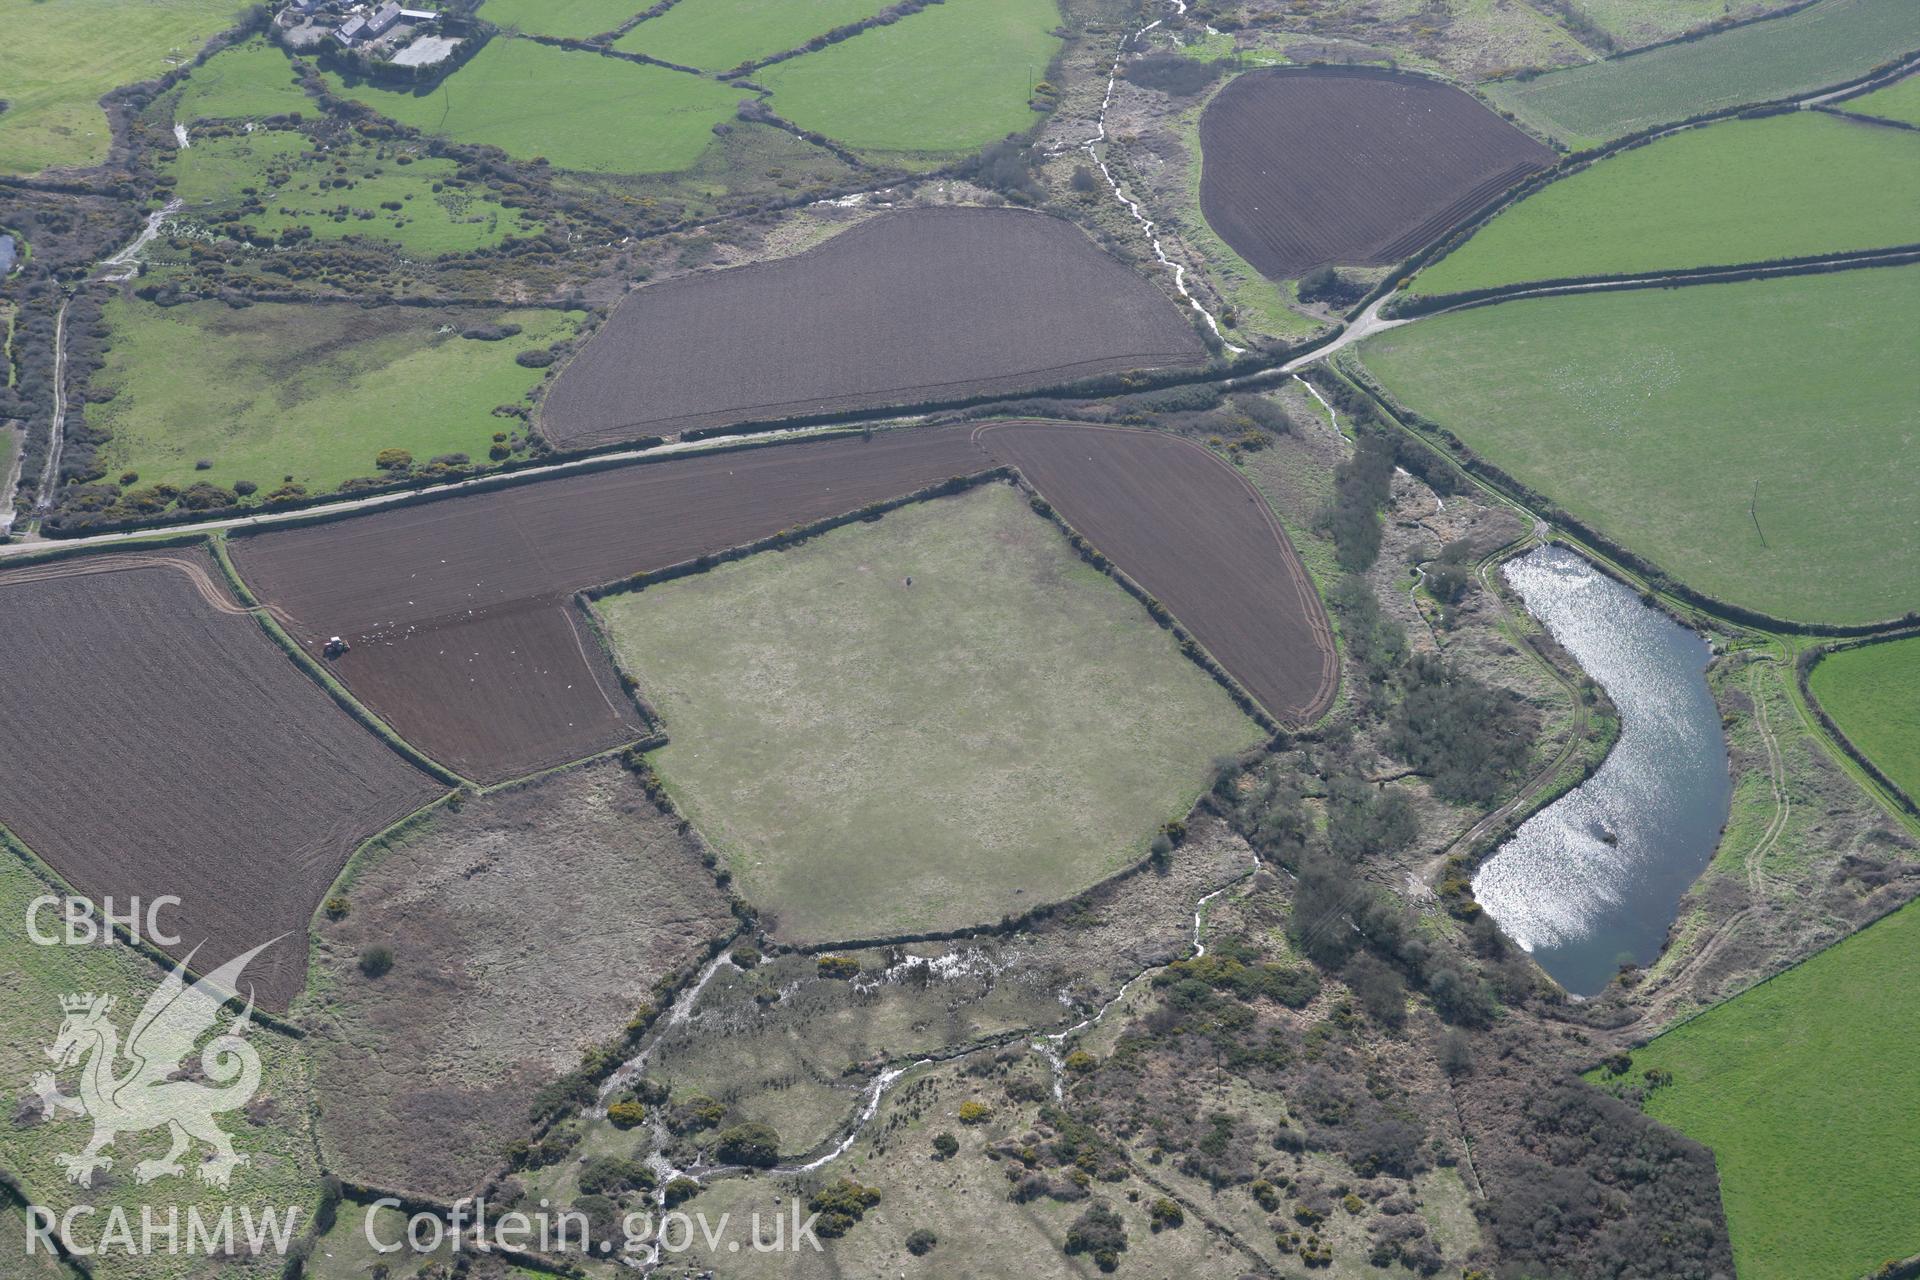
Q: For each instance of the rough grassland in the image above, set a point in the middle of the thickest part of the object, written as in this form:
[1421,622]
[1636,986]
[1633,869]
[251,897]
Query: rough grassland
[58,56]
[283,1169]
[1823,45]
[876,758]
[309,391]
[252,80]
[296,185]
[573,19]
[1653,415]
[951,78]
[717,34]
[1898,101]
[1807,1090]
[527,927]
[579,110]
[1688,200]
[1873,694]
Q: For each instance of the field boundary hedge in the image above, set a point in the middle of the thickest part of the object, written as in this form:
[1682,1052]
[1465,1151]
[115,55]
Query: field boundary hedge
[1573,162]
[1560,286]
[1803,676]
[44,872]
[1444,441]
[325,679]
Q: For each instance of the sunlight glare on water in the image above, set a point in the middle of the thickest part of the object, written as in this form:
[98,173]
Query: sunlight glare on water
[1596,877]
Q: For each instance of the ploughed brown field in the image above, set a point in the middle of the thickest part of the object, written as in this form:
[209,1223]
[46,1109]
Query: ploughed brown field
[1190,530]
[459,611]
[169,747]
[910,307]
[465,638]
[1304,167]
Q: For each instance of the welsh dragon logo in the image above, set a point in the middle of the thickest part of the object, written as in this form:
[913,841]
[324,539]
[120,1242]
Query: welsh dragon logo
[138,1087]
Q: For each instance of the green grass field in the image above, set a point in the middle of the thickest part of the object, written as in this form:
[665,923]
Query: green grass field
[1873,694]
[570,19]
[951,78]
[715,35]
[1654,414]
[876,758]
[1826,44]
[579,110]
[311,391]
[341,191]
[249,81]
[1638,22]
[58,56]
[283,1167]
[1898,101]
[1808,1090]
[1688,201]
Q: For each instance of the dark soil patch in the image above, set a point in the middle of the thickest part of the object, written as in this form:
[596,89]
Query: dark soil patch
[1194,534]
[1307,167]
[166,746]
[458,610]
[920,305]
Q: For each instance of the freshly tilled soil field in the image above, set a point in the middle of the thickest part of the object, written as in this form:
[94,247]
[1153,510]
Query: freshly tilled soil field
[465,640]
[910,307]
[1307,167]
[1194,534]
[166,746]
[458,610]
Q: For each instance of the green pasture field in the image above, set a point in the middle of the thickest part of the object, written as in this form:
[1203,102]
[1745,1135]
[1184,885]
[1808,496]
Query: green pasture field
[568,19]
[1808,1090]
[1676,420]
[308,390]
[715,35]
[58,56]
[1827,44]
[299,186]
[875,758]
[579,110]
[283,1168]
[1873,694]
[1688,200]
[248,81]
[1638,22]
[950,78]
[1898,101]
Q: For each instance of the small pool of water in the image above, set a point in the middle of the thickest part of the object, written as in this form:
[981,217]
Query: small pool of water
[1594,880]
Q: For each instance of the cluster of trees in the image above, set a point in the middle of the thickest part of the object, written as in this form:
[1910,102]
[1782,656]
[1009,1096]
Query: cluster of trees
[1324,284]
